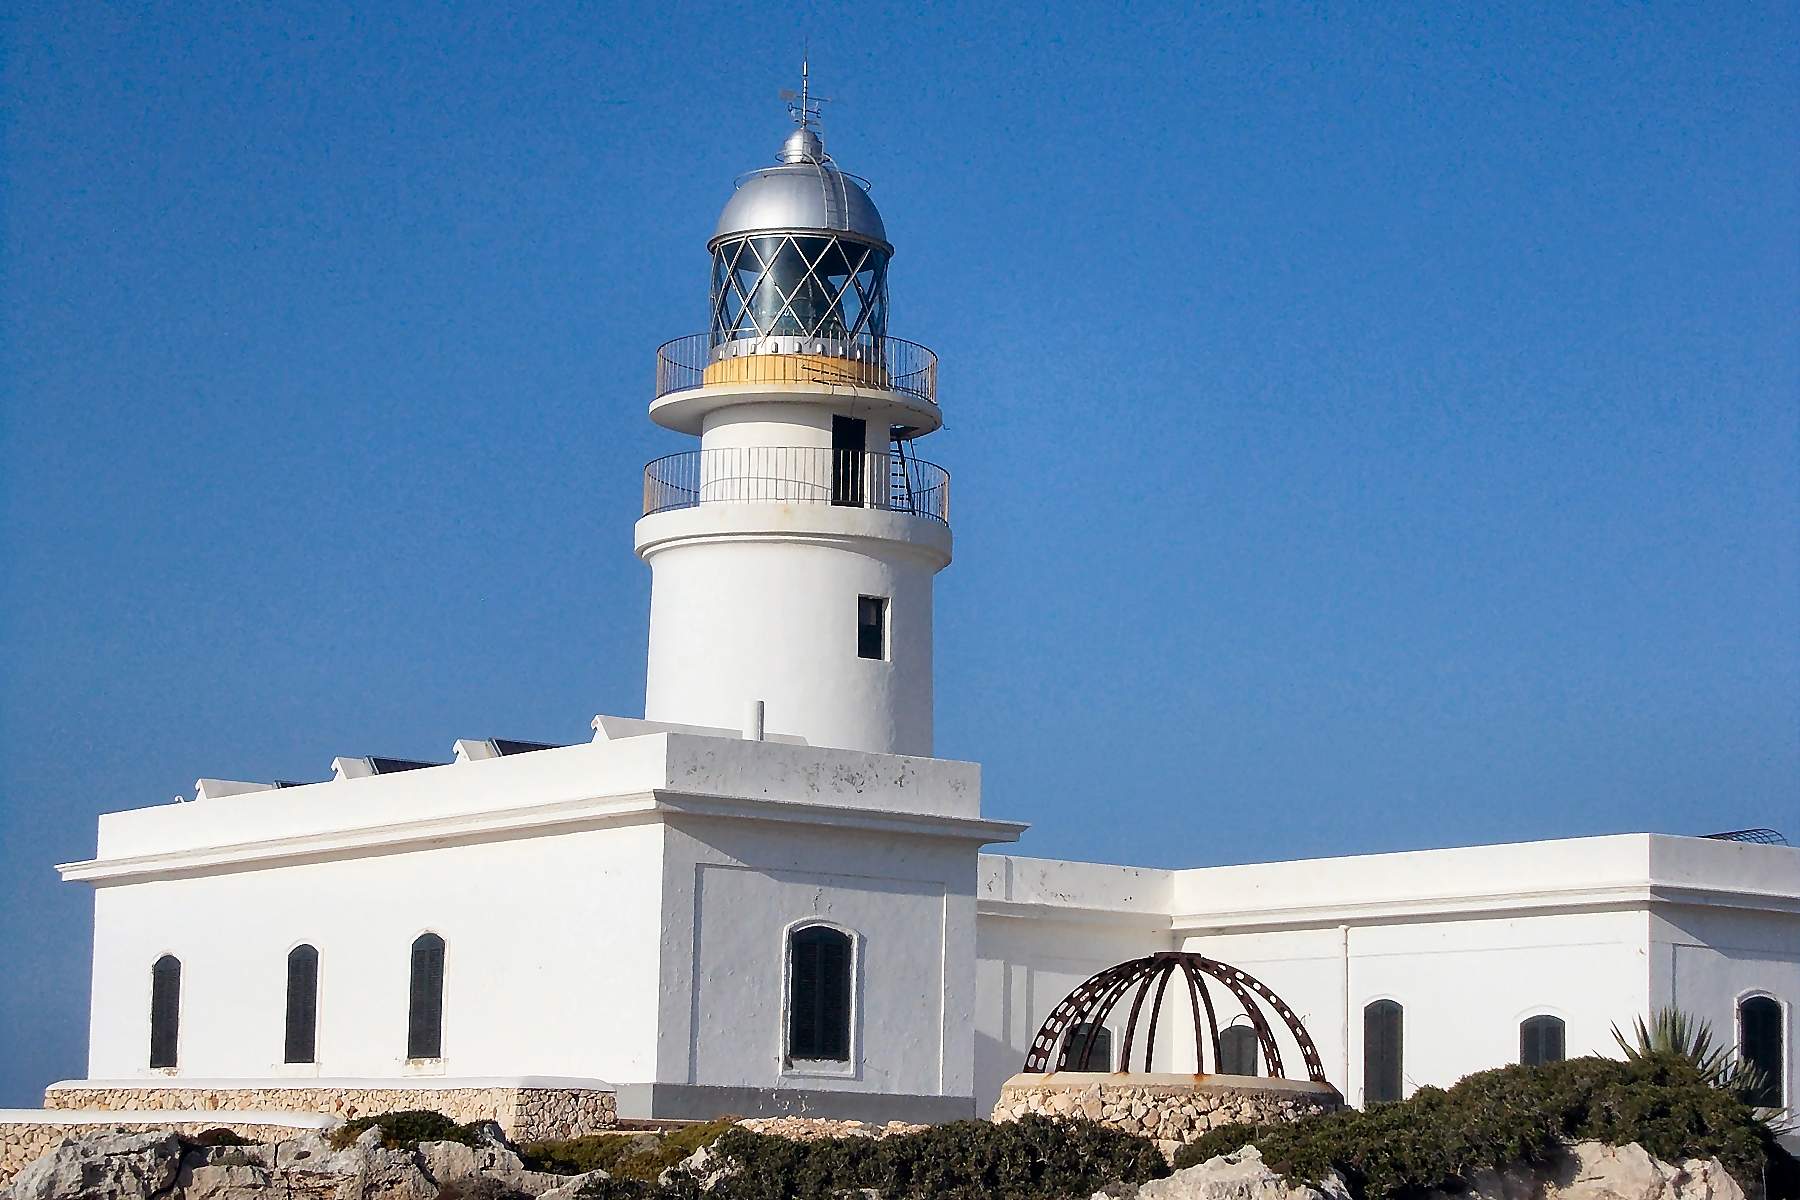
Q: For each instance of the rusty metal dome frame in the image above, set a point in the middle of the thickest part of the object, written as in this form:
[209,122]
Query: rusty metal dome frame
[1094,1001]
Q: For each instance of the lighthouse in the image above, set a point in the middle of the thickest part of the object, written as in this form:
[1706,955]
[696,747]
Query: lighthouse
[792,553]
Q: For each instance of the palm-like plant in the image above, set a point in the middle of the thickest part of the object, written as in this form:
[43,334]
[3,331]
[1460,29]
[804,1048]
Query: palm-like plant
[1672,1033]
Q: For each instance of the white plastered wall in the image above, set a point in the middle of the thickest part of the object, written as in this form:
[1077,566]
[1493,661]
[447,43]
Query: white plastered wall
[1046,926]
[1706,959]
[1464,985]
[734,889]
[550,961]
[771,615]
[1470,941]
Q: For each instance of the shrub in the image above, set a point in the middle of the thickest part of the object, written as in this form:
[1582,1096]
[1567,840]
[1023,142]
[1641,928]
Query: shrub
[629,1156]
[619,1189]
[1214,1142]
[219,1136]
[479,1187]
[1672,1032]
[1436,1139]
[1030,1159]
[407,1128]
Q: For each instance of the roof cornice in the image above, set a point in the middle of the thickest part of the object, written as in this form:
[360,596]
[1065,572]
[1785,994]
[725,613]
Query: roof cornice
[1595,898]
[506,824]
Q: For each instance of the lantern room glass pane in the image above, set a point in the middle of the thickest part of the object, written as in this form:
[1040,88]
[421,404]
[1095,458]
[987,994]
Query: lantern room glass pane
[799,285]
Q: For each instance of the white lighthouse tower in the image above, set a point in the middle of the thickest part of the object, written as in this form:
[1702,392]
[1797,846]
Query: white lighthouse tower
[792,554]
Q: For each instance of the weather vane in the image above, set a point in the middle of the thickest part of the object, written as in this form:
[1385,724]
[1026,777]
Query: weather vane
[803,106]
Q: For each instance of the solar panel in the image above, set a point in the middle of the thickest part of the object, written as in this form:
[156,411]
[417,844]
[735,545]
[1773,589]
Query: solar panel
[390,766]
[507,746]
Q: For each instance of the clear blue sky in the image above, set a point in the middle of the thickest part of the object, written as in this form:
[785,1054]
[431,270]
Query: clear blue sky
[1371,428]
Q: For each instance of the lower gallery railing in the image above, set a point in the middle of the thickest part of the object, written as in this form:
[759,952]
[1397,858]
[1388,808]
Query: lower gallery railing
[798,474]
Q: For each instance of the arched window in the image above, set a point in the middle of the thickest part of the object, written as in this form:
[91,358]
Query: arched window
[1087,1047]
[302,1005]
[819,994]
[165,1010]
[1760,1047]
[1383,1051]
[425,998]
[1237,1051]
[1541,1040]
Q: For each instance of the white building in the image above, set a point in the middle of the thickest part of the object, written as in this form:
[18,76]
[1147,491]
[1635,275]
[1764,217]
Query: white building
[766,894]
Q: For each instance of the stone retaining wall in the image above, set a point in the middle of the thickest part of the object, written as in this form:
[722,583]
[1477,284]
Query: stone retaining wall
[527,1113]
[23,1142]
[1172,1109]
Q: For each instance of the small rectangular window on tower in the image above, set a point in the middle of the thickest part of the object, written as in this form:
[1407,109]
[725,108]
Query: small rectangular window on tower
[871,627]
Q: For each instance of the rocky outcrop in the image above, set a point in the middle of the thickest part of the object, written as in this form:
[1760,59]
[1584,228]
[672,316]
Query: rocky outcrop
[114,1165]
[1595,1171]
[24,1142]
[807,1129]
[164,1166]
[1585,1171]
[1240,1176]
[104,1166]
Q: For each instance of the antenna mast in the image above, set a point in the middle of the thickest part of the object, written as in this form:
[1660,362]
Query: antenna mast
[803,106]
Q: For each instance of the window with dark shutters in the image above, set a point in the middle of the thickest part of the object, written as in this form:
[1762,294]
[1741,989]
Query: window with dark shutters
[1237,1051]
[1541,1040]
[425,1004]
[819,994]
[1383,1051]
[1087,1047]
[302,1005]
[1760,1047]
[165,1010]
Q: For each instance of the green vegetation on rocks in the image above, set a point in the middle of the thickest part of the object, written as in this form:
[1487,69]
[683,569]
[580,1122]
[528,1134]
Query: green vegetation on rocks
[1033,1158]
[218,1136]
[407,1128]
[639,1156]
[1436,1139]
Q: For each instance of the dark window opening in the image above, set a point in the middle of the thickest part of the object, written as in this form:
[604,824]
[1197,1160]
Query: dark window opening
[819,994]
[1087,1048]
[1541,1040]
[871,627]
[849,459]
[302,1005]
[165,1010]
[1383,1035]
[1760,1048]
[425,999]
[1237,1051]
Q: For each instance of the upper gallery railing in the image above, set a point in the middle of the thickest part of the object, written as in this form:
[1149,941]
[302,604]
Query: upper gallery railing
[798,474]
[863,360]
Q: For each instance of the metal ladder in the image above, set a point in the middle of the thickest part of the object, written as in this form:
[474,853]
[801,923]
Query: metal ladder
[900,481]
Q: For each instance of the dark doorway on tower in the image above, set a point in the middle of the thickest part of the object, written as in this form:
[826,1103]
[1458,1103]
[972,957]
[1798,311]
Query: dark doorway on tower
[849,439]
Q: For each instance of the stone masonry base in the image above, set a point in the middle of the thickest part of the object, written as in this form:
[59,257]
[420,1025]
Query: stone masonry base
[1172,1109]
[527,1109]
